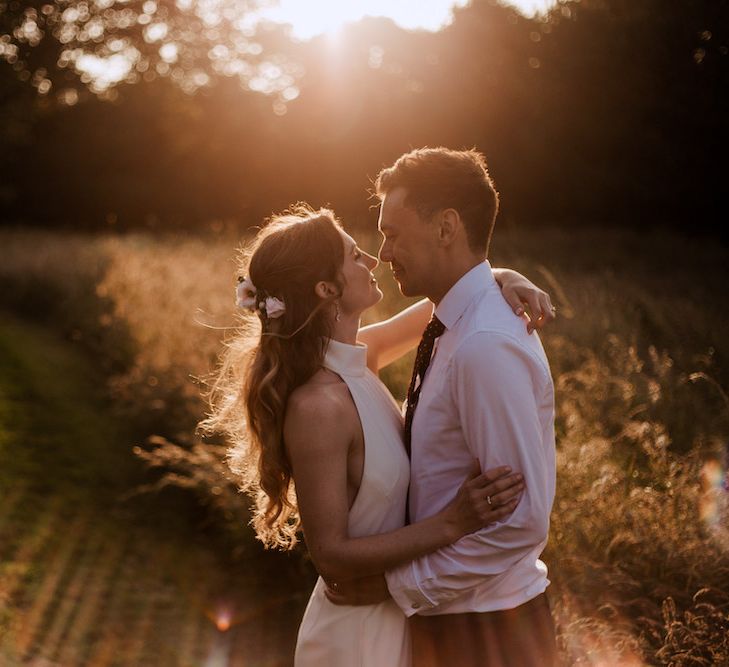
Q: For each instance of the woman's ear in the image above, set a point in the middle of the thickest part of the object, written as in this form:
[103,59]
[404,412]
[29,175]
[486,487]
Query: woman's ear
[325,290]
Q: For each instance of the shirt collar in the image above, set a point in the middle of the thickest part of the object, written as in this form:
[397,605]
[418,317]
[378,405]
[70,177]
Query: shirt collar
[456,300]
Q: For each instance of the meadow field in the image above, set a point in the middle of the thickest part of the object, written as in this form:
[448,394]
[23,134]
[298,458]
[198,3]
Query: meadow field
[123,540]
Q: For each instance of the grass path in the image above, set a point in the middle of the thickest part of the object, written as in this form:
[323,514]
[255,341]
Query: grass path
[87,580]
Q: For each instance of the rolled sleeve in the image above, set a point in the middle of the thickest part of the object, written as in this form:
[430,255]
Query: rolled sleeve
[404,589]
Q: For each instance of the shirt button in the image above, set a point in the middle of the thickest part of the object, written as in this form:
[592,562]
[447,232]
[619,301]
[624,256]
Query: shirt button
[415,605]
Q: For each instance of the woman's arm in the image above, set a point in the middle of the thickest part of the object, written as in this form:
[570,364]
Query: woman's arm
[390,339]
[519,291]
[319,431]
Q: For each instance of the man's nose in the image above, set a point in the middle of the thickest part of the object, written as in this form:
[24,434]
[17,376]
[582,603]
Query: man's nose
[385,252]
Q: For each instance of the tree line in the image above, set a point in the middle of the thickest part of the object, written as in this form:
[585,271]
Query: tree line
[601,112]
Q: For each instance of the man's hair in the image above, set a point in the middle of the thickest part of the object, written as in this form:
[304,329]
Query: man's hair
[440,178]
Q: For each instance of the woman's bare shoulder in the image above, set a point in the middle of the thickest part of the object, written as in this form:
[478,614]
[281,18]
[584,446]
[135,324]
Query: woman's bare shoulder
[321,405]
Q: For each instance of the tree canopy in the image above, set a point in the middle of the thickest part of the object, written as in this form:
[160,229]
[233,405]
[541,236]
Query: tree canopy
[601,111]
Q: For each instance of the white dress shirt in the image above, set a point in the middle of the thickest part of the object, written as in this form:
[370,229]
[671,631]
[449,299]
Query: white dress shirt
[488,394]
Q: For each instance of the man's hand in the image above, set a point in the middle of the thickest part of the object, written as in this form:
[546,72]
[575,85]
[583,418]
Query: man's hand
[519,292]
[357,592]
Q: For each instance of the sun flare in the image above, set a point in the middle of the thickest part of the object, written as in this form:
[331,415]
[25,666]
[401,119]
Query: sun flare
[317,17]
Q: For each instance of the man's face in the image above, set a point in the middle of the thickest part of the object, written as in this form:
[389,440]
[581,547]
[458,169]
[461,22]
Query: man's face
[408,245]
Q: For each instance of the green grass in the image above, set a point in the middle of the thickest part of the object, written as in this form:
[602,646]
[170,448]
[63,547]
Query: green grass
[55,424]
[86,578]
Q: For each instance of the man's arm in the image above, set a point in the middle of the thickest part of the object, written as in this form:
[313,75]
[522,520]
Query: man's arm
[498,387]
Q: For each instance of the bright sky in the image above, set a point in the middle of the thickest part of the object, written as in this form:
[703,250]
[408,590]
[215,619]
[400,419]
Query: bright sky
[314,17]
[308,18]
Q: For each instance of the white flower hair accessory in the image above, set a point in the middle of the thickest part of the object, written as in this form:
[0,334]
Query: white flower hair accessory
[245,293]
[274,307]
[247,297]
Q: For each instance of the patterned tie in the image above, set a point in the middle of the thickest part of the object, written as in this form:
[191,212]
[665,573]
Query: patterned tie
[434,329]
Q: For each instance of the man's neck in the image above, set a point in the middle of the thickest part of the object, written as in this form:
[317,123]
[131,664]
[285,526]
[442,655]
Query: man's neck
[451,274]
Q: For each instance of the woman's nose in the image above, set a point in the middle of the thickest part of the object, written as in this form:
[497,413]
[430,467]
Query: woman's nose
[373,261]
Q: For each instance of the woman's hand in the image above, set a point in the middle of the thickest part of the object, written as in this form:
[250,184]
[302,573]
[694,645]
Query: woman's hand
[519,292]
[483,498]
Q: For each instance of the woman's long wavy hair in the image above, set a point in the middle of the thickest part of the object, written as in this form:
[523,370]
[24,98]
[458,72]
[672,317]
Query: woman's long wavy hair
[266,359]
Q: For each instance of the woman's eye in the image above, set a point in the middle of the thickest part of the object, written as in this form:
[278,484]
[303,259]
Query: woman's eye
[357,254]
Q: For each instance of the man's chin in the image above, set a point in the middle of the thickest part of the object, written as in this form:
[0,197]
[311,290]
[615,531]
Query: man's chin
[405,289]
[401,280]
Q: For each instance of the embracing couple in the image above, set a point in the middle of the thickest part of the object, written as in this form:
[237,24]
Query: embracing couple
[425,524]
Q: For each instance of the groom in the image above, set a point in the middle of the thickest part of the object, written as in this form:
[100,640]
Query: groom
[481,389]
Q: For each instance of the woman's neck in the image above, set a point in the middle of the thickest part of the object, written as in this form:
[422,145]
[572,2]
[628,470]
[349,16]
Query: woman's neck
[345,331]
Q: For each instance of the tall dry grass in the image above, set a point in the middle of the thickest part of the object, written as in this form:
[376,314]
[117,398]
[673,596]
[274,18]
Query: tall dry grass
[639,545]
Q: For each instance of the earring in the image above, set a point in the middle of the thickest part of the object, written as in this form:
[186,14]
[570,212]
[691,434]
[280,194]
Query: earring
[337,314]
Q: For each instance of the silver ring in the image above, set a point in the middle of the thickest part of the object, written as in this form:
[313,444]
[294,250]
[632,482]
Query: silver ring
[488,500]
[554,310]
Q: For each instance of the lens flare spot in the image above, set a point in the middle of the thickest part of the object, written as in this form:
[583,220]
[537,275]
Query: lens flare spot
[714,484]
[223,622]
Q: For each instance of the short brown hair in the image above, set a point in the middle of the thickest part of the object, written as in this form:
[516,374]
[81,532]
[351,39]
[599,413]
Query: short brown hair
[440,178]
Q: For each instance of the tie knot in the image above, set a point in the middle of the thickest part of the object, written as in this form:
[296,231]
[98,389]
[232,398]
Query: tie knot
[434,329]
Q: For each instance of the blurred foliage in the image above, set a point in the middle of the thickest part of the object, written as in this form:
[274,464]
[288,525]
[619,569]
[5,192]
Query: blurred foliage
[611,111]
[100,43]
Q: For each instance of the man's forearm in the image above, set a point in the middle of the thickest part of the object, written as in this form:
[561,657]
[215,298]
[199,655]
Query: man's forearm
[358,592]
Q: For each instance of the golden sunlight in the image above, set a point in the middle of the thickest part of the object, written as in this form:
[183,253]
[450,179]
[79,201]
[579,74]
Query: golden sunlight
[317,17]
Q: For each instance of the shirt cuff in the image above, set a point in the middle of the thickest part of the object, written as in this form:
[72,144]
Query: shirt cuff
[407,594]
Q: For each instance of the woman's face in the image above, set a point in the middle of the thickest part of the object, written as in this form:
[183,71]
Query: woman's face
[360,290]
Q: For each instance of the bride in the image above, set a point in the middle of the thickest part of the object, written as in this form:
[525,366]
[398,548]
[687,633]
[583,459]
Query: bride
[298,397]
